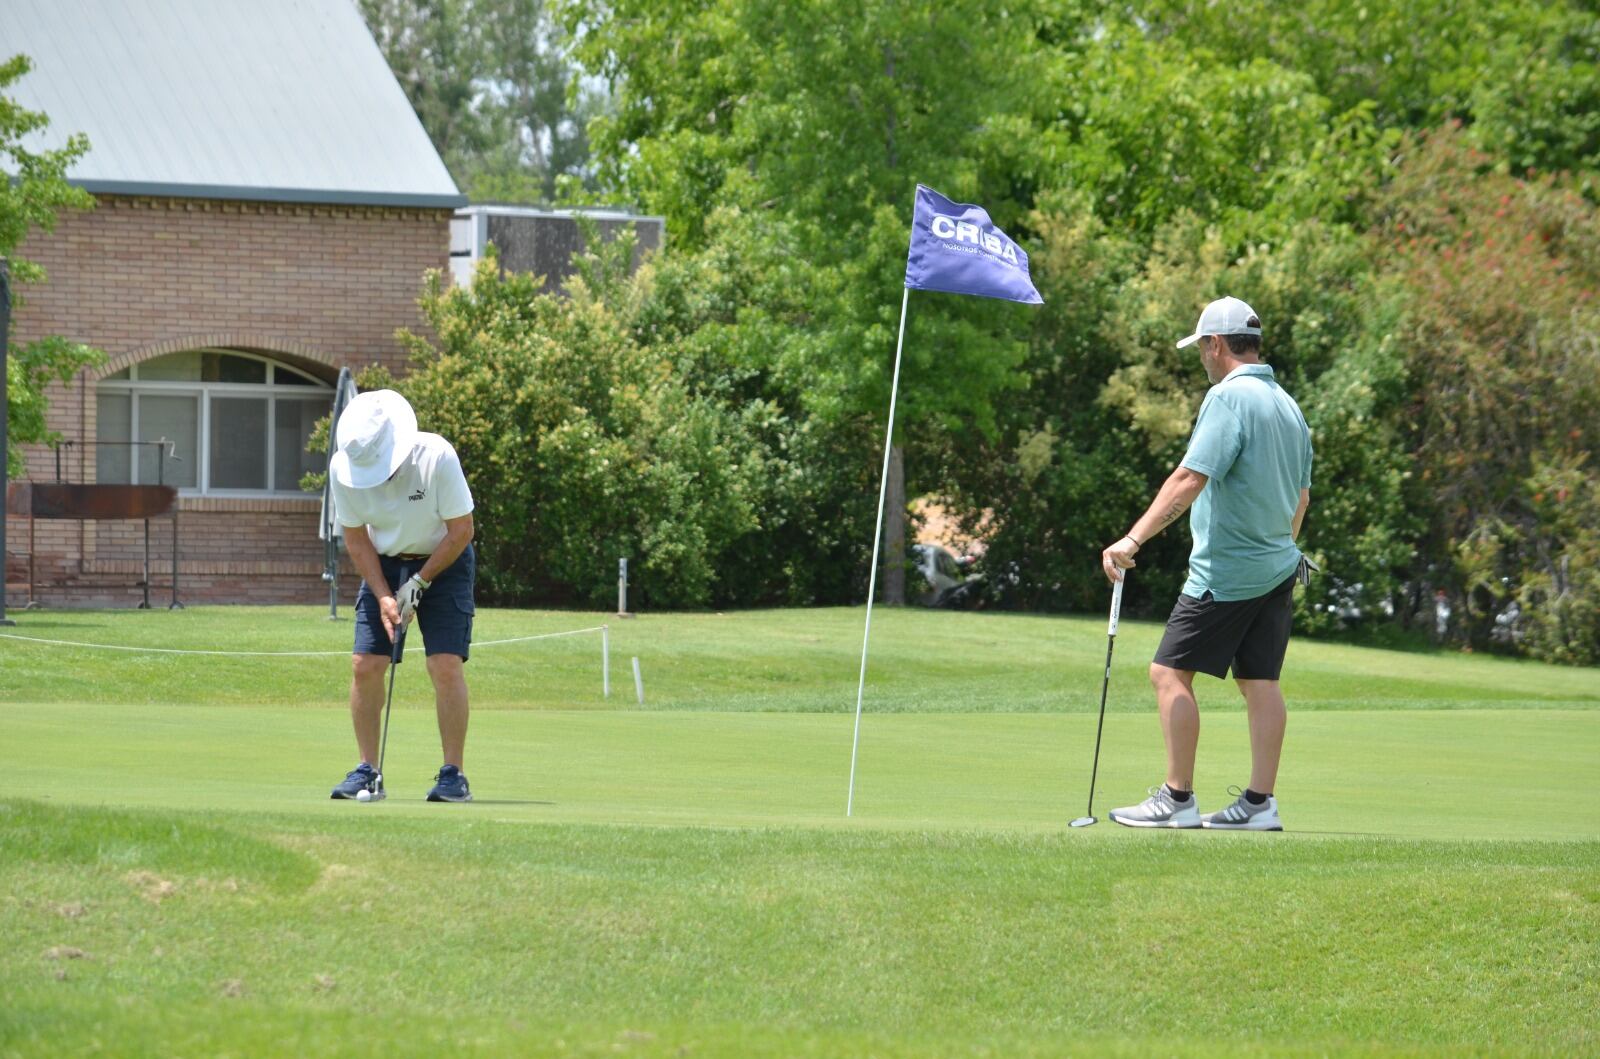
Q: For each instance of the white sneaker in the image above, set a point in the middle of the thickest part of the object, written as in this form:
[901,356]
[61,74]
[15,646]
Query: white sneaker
[1243,816]
[1159,810]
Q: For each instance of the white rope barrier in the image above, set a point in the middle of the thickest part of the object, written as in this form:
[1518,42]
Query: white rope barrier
[540,636]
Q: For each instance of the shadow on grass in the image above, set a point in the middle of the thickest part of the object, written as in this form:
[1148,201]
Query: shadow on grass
[119,840]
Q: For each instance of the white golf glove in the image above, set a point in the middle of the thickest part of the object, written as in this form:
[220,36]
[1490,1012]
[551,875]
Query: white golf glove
[409,596]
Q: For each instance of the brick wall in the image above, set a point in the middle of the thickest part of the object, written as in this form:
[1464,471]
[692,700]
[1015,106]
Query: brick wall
[319,287]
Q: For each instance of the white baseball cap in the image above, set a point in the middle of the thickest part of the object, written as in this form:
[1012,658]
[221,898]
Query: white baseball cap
[376,433]
[1225,316]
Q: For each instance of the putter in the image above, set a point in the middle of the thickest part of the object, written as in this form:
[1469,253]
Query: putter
[1111,639]
[383,744]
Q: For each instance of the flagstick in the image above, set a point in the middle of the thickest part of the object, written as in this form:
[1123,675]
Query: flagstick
[877,539]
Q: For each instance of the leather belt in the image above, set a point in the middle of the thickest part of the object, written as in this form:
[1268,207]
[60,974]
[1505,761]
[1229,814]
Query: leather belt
[408,558]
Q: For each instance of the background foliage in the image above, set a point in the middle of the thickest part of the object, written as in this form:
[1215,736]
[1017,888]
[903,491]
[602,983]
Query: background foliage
[32,189]
[1405,191]
[495,86]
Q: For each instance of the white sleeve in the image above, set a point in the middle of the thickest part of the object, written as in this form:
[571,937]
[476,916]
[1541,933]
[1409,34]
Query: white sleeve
[450,486]
[342,507]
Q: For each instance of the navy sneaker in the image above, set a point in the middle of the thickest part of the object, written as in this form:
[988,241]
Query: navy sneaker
[362,778]
[450,785]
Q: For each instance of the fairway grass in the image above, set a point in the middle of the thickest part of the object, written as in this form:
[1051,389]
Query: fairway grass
[801,661]
[213,932]
[681,880]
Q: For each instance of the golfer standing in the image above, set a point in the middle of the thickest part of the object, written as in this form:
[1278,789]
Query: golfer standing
[407,516]
[1248,474]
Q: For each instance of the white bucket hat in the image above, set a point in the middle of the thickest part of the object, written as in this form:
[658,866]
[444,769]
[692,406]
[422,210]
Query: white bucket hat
[375,434]
[1225,316]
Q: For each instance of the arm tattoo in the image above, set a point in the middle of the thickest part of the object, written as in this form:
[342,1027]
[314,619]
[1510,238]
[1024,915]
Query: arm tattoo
[1178,507]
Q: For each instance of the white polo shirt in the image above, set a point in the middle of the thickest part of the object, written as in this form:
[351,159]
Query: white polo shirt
[405,515]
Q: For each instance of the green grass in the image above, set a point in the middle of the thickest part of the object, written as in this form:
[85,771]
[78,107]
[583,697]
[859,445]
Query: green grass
[681,879]
[745,661]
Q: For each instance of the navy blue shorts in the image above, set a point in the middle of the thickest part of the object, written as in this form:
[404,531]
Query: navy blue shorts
[444,615]
[1209,636]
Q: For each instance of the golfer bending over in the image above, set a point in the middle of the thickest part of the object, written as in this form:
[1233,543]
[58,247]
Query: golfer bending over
[407,517]
[1248,475]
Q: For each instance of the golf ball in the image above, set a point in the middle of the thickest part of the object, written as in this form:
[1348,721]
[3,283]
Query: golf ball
[363,796]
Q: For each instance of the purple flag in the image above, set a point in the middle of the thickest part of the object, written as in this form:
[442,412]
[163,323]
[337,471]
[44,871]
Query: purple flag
[957,249]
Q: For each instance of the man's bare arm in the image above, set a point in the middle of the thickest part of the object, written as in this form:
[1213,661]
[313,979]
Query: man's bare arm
[1177,493]
[457,535]
[365,556]
[1300,512]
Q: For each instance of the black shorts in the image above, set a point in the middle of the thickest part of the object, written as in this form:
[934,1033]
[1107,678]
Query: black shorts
[1206,635]
[444,613]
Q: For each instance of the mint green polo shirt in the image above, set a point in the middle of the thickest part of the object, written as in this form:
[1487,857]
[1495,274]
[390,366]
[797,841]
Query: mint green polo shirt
[1253,445]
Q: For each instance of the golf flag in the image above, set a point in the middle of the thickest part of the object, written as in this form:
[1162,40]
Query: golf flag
[956,248]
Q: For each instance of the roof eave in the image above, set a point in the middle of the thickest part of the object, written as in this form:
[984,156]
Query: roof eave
[307,196]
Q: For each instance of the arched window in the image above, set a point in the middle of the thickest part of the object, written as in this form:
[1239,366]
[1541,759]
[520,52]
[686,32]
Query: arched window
[239,423]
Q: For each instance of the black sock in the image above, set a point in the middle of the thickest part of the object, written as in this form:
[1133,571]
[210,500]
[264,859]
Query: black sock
[1256,797]
[1179,796]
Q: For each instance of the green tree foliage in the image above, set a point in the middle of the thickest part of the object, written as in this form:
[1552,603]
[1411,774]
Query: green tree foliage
[1523,74]
[1502,283]
[643,416]
[1148,127]
[828,121]
[496,90]
[583,445]
[736,318]
[33,188]
[1558,599]
[1359,172]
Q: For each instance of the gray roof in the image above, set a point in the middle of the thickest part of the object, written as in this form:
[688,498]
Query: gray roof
[281,100]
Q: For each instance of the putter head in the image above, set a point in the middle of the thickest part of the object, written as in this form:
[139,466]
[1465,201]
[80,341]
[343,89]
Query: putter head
[1082,821]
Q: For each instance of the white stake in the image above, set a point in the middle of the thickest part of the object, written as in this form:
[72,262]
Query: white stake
[877,539]
[638,681]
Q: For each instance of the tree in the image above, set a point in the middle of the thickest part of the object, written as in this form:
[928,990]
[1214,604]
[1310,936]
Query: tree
[36,189]
[583,445]
[1521,75]
[829,122]
[1501,283]
[1146,128]
[494,86]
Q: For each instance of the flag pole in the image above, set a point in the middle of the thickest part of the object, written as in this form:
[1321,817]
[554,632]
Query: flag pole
[877,540]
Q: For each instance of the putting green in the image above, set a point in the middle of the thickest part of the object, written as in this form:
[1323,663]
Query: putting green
[1457,774]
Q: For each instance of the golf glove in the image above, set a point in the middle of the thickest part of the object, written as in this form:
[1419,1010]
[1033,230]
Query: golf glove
[409,596]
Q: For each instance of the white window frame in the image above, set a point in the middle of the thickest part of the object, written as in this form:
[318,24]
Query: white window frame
[134,388]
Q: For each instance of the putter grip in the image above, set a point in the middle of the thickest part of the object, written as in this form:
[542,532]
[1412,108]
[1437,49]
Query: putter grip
[1116,604]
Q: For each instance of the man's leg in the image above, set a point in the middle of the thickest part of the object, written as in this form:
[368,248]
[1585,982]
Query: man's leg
[1269,716]
[1180,722]
[366,703]
[450,700]
[1180,728]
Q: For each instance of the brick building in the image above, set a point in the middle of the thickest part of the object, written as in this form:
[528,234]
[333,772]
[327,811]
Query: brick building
[267,203]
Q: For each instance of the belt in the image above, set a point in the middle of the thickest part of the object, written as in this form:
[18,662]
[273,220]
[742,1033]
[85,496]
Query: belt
[408,558]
